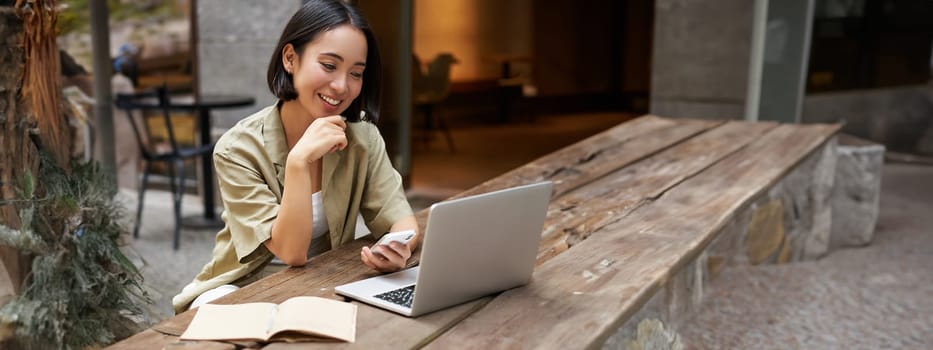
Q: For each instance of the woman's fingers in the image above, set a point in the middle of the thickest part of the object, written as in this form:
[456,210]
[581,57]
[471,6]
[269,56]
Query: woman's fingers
[388,252]
[325,135]
[335,120]
[375,261]
[396,253]
[335,128]
[342,126]
[383,259]
[366,256]
[402,250]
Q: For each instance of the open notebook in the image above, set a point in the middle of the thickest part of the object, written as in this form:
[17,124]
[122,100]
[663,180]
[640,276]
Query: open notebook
[296,319]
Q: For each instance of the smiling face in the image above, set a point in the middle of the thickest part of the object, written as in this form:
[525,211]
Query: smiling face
[328,75]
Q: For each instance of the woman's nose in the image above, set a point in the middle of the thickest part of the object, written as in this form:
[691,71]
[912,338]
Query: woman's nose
[339,84]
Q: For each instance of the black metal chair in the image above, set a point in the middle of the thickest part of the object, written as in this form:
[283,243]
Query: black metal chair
[154,150]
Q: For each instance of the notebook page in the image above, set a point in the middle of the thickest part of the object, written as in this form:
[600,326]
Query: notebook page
[317,316]
[228,322]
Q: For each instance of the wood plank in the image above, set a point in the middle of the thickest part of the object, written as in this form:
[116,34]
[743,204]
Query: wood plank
[580,213]
[602,281]
[596,156]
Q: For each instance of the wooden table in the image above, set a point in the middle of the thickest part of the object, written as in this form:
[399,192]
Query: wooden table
[630,207]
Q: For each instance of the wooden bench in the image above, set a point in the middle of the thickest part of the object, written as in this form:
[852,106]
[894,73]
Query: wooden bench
[641,217]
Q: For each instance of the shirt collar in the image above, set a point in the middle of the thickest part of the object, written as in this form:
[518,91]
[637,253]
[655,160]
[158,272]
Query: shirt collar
[273,135]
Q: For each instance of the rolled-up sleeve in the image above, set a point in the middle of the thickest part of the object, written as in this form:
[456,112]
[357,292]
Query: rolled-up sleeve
[383,202]
[250,205]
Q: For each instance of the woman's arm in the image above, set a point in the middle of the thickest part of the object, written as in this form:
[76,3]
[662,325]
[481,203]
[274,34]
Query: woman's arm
[291,232]
[385,208]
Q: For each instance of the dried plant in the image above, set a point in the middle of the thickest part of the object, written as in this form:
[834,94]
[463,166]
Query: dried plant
[81,291]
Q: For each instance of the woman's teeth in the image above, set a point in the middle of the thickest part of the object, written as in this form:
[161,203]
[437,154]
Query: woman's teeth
[329,100]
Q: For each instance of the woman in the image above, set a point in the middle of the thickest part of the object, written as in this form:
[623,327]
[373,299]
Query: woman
[295,176]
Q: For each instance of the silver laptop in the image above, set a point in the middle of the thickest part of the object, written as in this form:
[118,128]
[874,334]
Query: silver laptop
[473,246]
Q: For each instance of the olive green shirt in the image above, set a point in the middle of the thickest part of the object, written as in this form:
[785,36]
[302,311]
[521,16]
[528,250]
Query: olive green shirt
[250,162]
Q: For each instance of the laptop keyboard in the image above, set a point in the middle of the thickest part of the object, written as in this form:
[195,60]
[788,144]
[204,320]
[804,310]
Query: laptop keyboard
[402,296]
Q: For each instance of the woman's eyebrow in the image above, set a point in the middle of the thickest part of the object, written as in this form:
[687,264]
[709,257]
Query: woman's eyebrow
[340,58]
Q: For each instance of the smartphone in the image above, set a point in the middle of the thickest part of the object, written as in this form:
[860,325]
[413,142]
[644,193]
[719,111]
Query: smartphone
[401,236]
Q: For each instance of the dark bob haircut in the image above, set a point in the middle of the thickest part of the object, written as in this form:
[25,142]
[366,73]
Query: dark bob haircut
[318,16]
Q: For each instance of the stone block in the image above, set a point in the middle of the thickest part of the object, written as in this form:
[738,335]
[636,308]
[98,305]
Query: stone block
[820,192]
[653,309]
[652,334]
[857,190]
[790,222]
[765,232]
[684,291]
[670,306]
[805,193]
[727,248]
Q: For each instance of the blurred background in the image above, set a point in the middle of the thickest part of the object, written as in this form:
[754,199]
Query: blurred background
[462,70]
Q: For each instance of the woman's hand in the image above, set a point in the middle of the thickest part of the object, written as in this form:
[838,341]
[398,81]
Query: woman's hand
[324,135]
[386,257]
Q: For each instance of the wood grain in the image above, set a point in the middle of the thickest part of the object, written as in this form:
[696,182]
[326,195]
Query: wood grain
[581,297]
[552,166]
[592,158]
[598,155]
[582,212]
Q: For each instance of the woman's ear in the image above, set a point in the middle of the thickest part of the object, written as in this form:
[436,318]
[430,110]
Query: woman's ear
[289,58]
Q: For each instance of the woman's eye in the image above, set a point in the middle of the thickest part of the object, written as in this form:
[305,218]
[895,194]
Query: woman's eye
[328,66]
[357,75]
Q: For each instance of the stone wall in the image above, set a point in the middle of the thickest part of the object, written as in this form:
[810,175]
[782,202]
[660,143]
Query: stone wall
[792,221]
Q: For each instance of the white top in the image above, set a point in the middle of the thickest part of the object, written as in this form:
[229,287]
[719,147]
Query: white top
[318,230]
[320,220]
